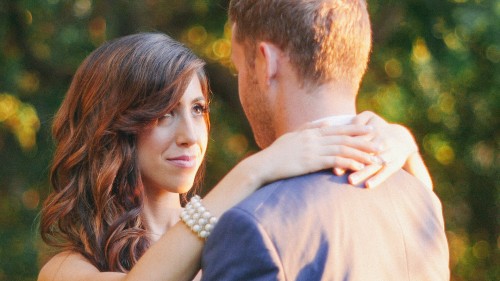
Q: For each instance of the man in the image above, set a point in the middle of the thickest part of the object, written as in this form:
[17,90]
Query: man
[301,61]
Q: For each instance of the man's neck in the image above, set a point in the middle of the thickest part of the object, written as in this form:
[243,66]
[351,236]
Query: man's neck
[307,104]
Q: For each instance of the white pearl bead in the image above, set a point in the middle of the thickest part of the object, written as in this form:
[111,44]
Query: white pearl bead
[213,220]
[196,228]
[190,222]
[203,234]
[196,216]
[206,214]
[209,227]
[202,221]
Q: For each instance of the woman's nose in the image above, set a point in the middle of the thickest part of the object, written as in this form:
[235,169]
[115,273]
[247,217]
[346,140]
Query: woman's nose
[186,131]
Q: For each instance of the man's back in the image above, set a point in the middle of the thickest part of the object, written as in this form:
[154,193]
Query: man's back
[316,227]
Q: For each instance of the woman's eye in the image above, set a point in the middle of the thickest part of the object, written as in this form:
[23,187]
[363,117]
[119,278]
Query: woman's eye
[200,109]
[168,115]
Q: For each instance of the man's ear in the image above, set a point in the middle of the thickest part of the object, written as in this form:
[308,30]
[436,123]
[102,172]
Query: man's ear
[268,55]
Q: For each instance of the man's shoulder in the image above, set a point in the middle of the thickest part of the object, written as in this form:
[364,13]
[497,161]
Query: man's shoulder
[324,189]
[291,188]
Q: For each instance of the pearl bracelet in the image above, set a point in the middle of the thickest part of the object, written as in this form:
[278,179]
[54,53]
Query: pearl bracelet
[196,217]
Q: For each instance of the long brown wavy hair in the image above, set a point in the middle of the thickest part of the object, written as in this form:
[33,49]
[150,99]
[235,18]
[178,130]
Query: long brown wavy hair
[121,88]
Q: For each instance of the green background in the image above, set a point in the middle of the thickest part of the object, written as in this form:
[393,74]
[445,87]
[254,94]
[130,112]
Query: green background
[434,67]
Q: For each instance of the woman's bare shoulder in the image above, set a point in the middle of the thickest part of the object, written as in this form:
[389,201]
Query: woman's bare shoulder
[72,266]
[57,267]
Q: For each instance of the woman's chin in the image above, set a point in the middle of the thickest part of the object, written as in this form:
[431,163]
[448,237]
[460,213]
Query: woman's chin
[182,187]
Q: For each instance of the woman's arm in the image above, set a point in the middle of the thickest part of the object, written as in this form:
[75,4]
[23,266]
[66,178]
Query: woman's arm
[176,255]
[398,150]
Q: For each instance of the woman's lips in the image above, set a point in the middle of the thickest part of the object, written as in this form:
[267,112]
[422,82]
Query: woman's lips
[183,161]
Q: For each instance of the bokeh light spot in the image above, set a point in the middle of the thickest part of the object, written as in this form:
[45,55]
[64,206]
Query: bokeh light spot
[481,249]
[97,30]
[447,103]
[82,8]
[28,17]
[222,48]
[21,119]
[197,35]
[28,82]
[445,154]
[393,68]
[458,246]
[439,147]
[31,199]
[420,52]
[493,53]
[8,106]
[41,51]
[452,42]
[483,154]
[433,114]
[237,144]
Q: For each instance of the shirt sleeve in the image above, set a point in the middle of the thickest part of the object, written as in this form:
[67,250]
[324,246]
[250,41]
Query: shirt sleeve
[239,249]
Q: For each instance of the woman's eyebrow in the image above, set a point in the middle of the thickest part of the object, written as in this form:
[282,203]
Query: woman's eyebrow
[201,98]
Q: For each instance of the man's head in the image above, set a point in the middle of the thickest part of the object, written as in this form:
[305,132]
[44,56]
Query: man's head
[325,41]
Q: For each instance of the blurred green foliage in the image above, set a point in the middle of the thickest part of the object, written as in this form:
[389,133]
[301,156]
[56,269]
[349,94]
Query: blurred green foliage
[435,67]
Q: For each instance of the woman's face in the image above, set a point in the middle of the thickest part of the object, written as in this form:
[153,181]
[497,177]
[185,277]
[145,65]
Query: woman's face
[170,152]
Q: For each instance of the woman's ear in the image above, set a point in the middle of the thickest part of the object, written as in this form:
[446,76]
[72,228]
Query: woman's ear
[268,56]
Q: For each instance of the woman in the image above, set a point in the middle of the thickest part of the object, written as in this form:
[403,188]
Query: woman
[131,136]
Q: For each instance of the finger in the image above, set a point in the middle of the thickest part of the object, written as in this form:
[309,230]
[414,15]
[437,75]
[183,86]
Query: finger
[358,143]
[380,142]
[363,174]
[377,121]
[343,163]
[381,176]
[387,157]
[350,152]
[363,118]
[348,130]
